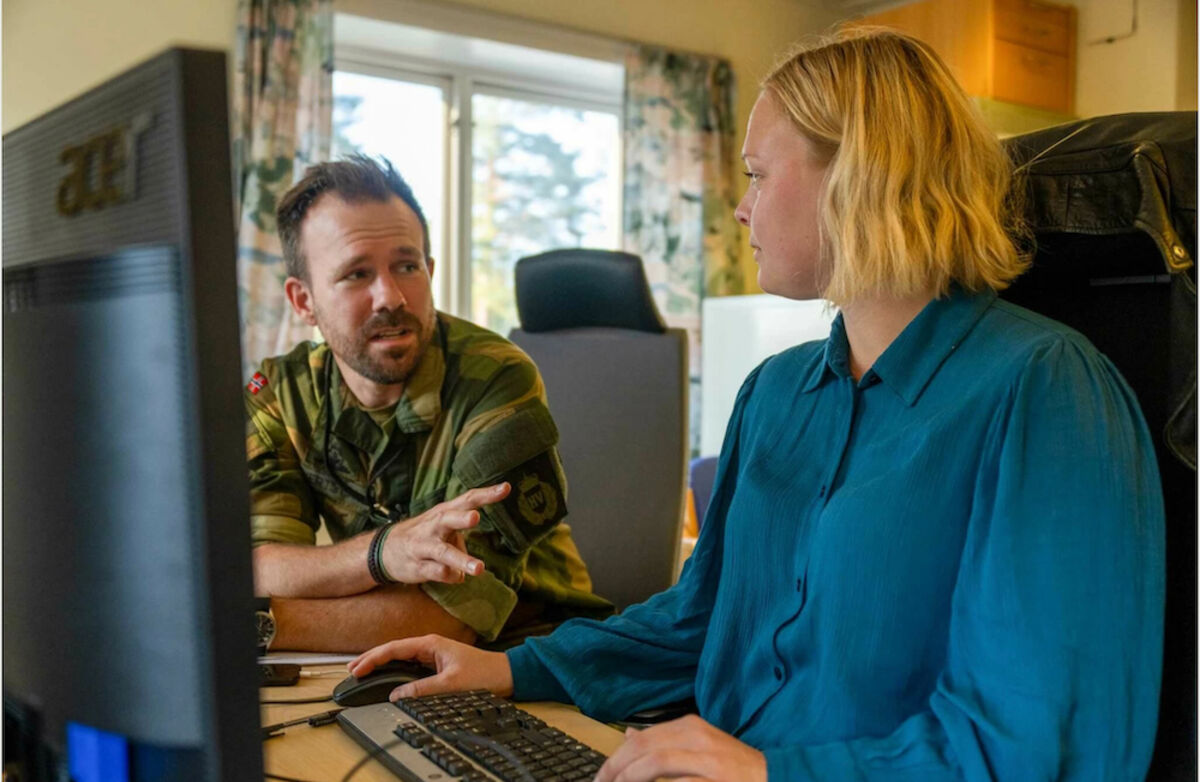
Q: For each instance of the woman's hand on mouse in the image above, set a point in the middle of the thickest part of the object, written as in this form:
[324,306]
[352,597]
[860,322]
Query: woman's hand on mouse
[459,666]
[689,748]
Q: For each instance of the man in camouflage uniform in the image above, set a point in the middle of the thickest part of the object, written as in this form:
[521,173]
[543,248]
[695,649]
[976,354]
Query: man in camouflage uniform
[421,440]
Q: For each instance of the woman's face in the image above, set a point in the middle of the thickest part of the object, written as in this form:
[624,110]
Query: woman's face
[780,206]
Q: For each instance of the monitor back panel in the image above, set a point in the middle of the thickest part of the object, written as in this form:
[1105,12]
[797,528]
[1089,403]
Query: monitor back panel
[127,591]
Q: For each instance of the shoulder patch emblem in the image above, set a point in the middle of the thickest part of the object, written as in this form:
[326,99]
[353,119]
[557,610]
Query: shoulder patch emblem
[536,499]
[257,383]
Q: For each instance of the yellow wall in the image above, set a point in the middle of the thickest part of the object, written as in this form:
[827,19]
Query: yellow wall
[1151,70]
[1185,88]
[56,49]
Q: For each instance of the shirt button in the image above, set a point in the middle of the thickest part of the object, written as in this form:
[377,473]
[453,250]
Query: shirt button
[778,673]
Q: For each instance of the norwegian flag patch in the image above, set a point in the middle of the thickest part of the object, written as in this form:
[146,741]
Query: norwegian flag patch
[257,383]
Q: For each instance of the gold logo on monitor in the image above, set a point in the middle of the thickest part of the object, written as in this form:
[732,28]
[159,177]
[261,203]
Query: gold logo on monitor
[101,171]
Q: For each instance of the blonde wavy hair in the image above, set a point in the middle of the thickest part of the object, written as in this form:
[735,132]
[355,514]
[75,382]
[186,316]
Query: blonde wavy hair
[918,188]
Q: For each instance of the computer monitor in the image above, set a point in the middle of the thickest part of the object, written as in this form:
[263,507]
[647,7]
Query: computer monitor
[127,603]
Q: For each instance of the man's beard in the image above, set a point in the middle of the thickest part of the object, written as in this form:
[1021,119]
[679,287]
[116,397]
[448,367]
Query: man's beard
[355,349]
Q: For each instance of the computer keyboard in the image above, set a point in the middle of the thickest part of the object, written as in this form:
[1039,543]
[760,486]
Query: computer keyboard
[470,736]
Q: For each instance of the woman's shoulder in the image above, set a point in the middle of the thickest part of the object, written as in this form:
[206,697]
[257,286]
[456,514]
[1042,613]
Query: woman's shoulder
[1026,325]
[806,355]
[783,371]
[1022,342]
[785,368]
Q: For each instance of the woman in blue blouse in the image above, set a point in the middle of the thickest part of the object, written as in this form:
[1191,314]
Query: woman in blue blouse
[935,549]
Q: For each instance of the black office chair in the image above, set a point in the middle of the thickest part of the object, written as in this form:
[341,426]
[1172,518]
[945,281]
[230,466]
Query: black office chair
[1112,205]
[616,381]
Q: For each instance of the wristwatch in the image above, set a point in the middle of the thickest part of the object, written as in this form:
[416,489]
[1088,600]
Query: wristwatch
[264,622]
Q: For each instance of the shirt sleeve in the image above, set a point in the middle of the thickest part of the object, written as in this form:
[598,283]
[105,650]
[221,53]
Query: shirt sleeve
[647,655]
[1055,644]
[282,508]
[508,435]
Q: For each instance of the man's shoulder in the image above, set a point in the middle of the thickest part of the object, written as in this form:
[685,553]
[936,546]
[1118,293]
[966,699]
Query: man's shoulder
[477,349]
[306,360]
[295,379]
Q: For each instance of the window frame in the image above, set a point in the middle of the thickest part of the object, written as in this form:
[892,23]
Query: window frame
[382,69]
[460,84]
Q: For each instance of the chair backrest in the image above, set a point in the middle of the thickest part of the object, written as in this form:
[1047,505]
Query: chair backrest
[1112,204]
[616,382]
[578,288]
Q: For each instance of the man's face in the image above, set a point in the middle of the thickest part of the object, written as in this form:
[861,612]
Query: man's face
[369,286]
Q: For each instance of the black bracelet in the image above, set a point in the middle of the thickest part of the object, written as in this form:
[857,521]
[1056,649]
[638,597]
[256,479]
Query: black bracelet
[375,557]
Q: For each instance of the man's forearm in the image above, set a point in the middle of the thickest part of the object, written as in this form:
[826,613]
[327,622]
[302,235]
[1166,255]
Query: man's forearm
[288,570]
[428,547]
[353,624]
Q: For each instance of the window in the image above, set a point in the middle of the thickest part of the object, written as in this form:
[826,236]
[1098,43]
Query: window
[511,150]
[365,119]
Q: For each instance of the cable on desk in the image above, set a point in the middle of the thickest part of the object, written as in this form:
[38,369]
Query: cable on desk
[382,748]
[274,702]
[315,720]
[281,778]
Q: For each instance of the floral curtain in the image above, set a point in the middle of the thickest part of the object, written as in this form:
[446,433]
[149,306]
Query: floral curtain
[282,108]
[679,192]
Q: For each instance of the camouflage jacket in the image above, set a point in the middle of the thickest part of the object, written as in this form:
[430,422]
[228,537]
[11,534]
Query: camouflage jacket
[473,414]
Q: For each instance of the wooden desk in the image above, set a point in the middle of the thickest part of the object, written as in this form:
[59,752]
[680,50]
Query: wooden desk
[326,753]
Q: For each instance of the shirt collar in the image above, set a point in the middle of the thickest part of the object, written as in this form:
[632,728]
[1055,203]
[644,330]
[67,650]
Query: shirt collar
[915,356]
[830,362]
[833,361]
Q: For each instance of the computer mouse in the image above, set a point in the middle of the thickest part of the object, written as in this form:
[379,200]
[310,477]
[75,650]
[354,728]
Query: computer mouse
[379,683]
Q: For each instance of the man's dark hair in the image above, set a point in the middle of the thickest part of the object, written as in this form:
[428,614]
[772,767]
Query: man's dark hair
[354,179]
